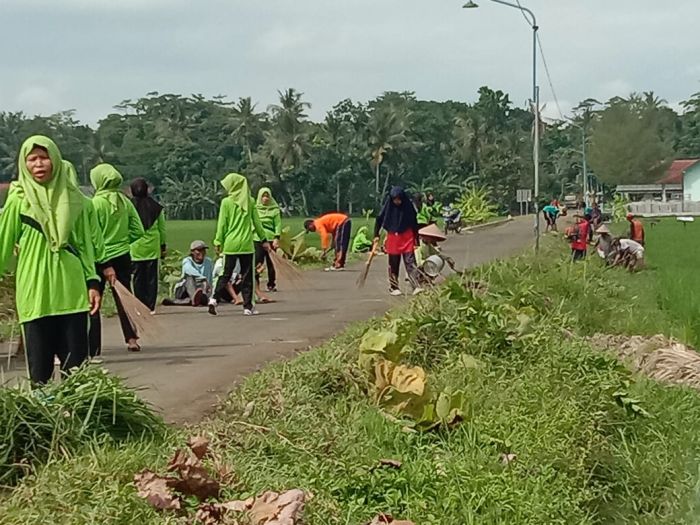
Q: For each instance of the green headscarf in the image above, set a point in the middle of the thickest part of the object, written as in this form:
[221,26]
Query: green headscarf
[236,185]
[269,209]
[55,205]
[108,181]
[71,173]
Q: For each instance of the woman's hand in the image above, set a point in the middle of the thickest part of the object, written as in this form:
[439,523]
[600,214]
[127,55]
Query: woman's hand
[266,246]
[95,300]
[110,275]
[275,244]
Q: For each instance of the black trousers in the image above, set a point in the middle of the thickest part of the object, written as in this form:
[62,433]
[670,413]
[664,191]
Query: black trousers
[409,261]
[247,276]
[146,282]
[122,267]
[342,243]
[261,254]
[65,336]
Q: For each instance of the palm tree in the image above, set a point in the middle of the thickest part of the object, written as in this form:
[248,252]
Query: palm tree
[387,131]
[248,126]
[470,136]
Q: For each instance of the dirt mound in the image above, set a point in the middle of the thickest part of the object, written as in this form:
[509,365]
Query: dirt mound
[658,357]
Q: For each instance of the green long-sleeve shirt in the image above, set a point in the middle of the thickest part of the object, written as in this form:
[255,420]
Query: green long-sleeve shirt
[148,247]
[272,226]
[48,283]
[98,240]
[120,228]
[234,230]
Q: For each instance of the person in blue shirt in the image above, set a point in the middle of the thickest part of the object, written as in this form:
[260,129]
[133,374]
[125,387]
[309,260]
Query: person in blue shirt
[195,286]
[550,213]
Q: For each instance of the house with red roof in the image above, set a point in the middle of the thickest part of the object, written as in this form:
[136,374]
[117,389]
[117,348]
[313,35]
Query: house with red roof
[680,182]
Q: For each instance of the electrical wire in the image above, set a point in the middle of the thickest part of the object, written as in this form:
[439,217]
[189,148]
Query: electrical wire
[549,78]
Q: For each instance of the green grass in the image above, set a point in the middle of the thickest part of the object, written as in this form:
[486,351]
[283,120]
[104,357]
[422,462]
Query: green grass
[533,388]
[182,233]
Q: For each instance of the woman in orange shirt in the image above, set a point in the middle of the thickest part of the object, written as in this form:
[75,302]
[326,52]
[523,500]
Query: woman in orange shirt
[339,227]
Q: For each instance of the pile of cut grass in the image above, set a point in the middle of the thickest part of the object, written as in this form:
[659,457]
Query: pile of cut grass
[553,431]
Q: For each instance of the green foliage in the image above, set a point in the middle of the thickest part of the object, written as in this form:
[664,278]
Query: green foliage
[619,207]
[476,205]
[36,425]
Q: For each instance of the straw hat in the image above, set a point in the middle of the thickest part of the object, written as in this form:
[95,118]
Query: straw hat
[432,231]
[603,229]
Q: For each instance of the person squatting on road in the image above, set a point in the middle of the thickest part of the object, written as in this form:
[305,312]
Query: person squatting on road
[197,278]
[238,217]
[271,221]
[339,227]
[398,218]
[57,286]
[146,252]
[121,226]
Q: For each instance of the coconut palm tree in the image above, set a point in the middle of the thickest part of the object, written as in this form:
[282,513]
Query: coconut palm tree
[387,131]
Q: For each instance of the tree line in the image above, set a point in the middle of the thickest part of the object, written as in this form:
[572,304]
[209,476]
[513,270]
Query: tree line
[183,145]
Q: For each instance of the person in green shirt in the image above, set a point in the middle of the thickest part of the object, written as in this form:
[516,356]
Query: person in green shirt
[45,216]
[238,217]
[98,241]
[271,221]
[146,251]
[121,226]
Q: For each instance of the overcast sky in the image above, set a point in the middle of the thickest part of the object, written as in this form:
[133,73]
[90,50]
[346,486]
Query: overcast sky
[91,54]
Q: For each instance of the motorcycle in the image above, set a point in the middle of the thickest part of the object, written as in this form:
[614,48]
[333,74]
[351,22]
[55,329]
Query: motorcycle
[453,220]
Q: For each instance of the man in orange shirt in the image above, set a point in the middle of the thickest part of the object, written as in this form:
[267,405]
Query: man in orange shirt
[636,229]
[338,226]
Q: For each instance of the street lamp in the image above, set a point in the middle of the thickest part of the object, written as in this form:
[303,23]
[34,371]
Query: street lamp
[585,169]
[532,22]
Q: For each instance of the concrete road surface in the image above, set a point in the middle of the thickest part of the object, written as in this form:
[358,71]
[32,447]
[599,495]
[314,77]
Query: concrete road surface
[197,358]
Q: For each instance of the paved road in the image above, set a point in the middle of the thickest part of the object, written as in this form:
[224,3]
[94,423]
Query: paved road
[197,358]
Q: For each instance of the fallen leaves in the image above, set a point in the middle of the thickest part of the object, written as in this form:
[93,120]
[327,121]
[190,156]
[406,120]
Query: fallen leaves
[384,519]
[193,479]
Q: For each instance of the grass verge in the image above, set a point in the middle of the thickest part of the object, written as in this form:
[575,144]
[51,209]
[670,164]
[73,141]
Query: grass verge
[552,431]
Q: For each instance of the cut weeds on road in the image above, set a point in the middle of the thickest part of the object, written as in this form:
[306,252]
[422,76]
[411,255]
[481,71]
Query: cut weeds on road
[482,402]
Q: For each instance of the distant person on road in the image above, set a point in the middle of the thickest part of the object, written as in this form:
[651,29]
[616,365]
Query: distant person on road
[197,278]
[121,226]
[361,243]
[636,229]
[579,238]
[271,220]
[57,285]
[337,226]
[238,218]
[146,252]
[398,218]
[550,213]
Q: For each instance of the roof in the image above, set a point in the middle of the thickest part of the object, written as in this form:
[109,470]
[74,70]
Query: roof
[674,173]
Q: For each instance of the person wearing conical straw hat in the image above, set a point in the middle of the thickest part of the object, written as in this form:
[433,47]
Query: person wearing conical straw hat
[121,226]
[149,249]
[271,221]
[398,218]
[238,217]
[57,286]
[604,243]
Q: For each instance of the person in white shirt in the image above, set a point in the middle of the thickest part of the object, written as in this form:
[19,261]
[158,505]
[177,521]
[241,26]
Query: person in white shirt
[629,254]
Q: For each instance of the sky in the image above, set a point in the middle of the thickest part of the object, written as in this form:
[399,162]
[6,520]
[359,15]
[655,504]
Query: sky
[88,55]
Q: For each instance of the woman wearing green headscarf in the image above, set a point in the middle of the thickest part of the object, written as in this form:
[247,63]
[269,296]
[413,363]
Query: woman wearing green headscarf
[120,225]
[98,241]
[45,215]
[238,217]
[271,221]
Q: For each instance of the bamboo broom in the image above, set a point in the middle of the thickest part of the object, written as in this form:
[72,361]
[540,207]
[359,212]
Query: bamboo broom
[138,313]
[362,278]
[287,271]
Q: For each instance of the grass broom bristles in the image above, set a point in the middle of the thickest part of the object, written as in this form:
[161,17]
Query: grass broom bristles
[138,313]
[362,278]
[287,272]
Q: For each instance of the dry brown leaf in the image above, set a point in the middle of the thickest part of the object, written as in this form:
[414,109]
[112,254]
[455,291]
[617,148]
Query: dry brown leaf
[210,514]
[507,459]
[196,481]
[393,463]
[271,508]
[384,519]
[181,459]
[199,445]
[156,490]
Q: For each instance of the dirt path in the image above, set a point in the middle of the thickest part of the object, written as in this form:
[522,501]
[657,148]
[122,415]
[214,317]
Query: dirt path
[198,358]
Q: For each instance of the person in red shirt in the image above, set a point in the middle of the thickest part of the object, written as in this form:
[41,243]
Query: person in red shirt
[579,238]
[337,226]
[398,218]
[636,229]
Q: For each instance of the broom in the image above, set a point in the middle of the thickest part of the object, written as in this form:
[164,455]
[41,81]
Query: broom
[362,278]
[139,315]
[287,271]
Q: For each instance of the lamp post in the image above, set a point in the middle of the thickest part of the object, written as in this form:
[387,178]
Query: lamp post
[532,21]
[586,190]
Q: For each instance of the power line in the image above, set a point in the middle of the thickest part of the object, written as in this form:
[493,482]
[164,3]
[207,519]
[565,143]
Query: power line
[549,78]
